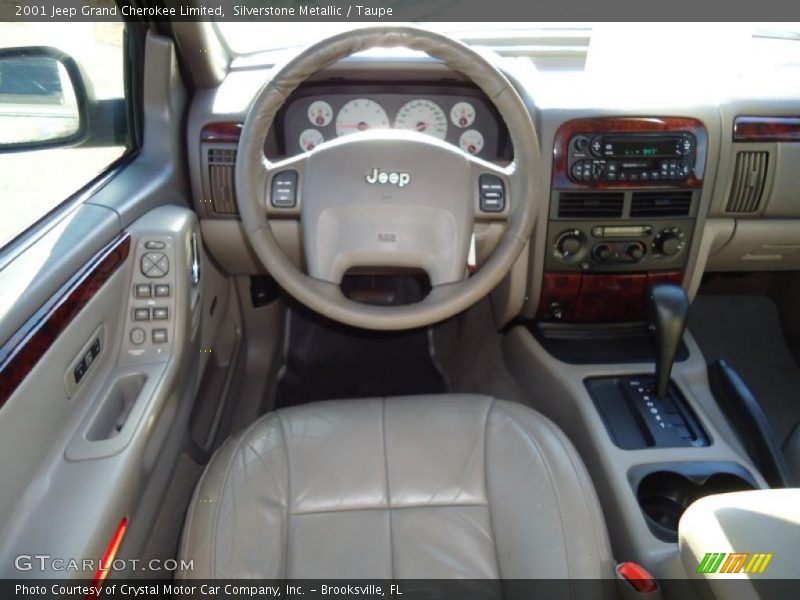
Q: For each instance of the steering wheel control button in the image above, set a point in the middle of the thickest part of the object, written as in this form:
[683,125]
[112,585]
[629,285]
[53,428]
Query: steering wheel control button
[155,245]
[160,313]
[143,290]
[141,314]
[161,290]
[284,190]
[492,193]
[159,336]
[138,336]
[155,264]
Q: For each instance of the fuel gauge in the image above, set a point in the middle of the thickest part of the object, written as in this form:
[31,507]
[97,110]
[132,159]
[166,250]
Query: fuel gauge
[320,113]
[310,139]
[471,141]
[462,114]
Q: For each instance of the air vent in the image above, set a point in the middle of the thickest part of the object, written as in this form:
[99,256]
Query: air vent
[579,205]
[661,204]
[221,164]
[748,182]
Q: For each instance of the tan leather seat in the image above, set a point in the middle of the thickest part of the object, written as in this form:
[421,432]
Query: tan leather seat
[417,487]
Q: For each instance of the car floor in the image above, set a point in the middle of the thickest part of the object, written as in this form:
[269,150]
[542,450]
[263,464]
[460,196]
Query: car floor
[746,332]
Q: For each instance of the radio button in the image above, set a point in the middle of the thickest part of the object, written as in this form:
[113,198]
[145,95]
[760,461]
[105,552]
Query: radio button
[597,146]
[581,143]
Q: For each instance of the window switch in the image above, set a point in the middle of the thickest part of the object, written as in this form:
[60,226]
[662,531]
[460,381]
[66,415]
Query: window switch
[80,371]
[159,336]
[160,313]
[161,290]
[143,290]
[141,314]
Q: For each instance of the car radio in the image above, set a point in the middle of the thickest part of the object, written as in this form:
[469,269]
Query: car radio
[631,157]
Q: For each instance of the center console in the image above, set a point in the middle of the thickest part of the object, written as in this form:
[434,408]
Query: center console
[605,354]
[624,199]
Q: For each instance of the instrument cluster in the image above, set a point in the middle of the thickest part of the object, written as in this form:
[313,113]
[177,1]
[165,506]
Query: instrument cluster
[464,121]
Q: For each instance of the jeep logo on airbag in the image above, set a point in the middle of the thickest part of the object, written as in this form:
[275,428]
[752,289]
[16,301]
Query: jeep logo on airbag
[400,179]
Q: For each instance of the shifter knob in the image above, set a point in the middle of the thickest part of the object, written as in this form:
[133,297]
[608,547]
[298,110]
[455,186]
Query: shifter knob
[667,308]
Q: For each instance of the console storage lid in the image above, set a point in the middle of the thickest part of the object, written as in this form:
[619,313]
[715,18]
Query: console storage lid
[757,524]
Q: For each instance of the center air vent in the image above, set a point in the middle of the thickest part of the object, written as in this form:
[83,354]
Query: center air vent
[221,165]
[748,182]
[661,204]
[579,205]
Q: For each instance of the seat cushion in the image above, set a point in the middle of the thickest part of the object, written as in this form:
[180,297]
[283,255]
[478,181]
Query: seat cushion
[409,487]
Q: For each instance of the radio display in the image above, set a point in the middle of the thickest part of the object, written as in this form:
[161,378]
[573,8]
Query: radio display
[639,147]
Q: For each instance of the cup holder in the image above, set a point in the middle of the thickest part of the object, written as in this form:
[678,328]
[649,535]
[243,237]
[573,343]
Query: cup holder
[665,493]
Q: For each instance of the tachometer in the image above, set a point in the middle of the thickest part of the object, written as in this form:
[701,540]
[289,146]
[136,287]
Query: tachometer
[471,141]
[359,115]
[320,113]
[424,116]
[310,139]
[462,114]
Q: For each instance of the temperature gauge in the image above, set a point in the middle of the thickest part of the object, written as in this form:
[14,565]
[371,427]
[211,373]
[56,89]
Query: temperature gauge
[310,139]
[462,114]
[320,113]
[471,141]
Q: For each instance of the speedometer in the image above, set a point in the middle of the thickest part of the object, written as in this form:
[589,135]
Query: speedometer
[424,116]
[359,115]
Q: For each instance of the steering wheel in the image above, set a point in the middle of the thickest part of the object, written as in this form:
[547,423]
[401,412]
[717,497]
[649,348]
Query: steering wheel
[388,198]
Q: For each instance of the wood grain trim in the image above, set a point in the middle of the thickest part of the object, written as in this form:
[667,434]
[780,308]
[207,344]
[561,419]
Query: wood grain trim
[562,181]
[766,129]
[20,354]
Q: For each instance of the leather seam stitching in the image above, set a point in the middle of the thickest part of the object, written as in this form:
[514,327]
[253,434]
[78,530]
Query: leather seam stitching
[486,484]
[365,508]
[224,486]
[591,503]
[551,480]
[388,489]
[287,522]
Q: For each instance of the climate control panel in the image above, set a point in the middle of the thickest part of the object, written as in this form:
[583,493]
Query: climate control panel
[596,247]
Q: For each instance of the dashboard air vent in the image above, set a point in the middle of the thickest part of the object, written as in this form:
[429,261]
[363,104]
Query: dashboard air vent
[579,205]
[748,182]
[221,165]
[661,204]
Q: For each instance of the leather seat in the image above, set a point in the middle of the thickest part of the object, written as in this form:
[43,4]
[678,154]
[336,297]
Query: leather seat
[415,487]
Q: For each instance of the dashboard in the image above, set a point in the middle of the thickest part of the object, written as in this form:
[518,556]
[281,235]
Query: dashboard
[640,186]
[457,115]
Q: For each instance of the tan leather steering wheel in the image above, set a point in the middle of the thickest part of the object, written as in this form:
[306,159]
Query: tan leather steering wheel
[387,198]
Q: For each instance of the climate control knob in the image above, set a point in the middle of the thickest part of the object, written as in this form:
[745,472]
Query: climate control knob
[635,250]
[669,242]
[602,252]
[569,243]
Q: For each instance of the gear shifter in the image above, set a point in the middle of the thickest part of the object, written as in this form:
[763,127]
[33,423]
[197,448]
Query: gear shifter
[667,308]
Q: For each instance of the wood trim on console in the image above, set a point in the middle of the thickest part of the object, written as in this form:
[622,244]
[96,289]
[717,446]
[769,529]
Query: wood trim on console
[766,129]
[561,179]
[21,353]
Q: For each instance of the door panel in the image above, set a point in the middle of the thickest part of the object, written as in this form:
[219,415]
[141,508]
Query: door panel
[83,458]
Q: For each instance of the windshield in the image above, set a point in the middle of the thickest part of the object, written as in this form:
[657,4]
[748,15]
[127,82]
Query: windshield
[247,38]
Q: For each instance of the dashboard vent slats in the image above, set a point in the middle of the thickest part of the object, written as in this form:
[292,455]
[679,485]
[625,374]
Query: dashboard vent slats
[221,165]
[661,204]
[749,178]
[580,205]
